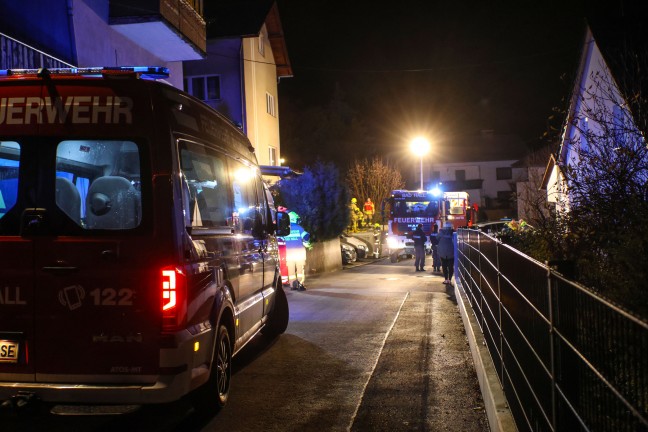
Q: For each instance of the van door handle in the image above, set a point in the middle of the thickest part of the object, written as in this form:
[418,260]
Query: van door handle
[62,269]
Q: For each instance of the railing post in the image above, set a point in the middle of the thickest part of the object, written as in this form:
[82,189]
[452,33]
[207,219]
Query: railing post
[499,309]
[551,348]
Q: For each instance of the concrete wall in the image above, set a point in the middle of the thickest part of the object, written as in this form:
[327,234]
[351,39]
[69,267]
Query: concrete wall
[324,257]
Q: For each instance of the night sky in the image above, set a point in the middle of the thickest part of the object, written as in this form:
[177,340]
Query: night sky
[441,69]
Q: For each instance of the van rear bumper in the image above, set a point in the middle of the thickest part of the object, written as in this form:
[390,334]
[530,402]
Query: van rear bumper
[186,370]
[165,389]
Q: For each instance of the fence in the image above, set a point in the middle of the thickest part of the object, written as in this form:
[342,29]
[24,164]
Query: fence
[17,55]
[567,359]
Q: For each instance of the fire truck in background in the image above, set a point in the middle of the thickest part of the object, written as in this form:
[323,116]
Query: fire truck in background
[457,210]
[405,209]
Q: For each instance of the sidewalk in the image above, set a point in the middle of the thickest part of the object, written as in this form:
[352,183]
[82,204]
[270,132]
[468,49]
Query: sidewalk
[499,416]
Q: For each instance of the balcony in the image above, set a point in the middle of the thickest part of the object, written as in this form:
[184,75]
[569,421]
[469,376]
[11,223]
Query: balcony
[15,54]
[173,30]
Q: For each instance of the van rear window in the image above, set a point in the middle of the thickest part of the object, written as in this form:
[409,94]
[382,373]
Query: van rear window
[98,183]
[9,168]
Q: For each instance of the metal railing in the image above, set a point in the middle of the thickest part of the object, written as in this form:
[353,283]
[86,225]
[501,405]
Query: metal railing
[567,359]
[17,55]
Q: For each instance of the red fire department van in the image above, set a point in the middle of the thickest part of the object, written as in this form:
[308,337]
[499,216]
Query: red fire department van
[138,248]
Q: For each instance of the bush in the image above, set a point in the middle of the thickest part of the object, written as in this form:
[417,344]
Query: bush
[320,198]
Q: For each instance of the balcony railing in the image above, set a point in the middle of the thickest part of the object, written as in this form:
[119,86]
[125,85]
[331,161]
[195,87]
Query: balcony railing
[17,55]
[172,30]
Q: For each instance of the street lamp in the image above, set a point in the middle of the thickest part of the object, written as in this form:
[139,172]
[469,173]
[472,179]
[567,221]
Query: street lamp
[420,146]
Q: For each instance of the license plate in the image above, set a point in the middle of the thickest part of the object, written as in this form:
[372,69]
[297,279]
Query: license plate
[9,351]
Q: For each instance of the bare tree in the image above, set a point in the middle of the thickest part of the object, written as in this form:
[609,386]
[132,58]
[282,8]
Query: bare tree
[606,175]
[373,179]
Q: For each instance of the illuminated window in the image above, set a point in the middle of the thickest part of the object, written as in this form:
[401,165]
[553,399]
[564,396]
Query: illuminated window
[95,195]
[270,105]
[272,156]
[9,167]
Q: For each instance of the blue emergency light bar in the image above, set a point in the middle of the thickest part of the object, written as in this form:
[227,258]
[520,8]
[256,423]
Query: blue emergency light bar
[146,72]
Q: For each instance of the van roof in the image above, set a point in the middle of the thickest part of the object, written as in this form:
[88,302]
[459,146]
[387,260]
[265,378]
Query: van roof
[145,72]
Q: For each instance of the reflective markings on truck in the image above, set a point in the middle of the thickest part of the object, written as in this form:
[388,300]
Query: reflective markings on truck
[112,297]
[11,296]
[70,109]
[73,296]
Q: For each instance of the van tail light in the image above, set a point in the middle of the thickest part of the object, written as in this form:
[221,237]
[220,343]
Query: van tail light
[173,289]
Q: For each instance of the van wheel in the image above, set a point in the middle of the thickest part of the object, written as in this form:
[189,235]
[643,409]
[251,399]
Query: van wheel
[278,318]
[216,389]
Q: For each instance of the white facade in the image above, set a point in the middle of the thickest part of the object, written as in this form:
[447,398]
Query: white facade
[595,98]
[493,180]
[261,98]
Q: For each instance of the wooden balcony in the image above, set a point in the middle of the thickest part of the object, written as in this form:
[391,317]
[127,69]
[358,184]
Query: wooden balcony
[173,30]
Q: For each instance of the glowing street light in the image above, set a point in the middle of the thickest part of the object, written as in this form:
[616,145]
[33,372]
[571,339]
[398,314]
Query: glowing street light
[420,146]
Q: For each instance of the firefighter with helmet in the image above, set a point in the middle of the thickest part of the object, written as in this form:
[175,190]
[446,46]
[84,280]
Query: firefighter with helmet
[296,244]
[368,211]
[356,215]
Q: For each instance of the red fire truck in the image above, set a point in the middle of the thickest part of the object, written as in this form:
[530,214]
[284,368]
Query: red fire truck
[405,209]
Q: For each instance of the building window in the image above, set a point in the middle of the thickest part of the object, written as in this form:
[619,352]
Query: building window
[270,105]
[436,175]
[262,44]
[205,88]
[505,198]
[460,175]
[272,156]
[505,173]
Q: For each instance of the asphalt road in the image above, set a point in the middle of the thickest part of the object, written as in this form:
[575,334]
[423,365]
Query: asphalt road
[374,347]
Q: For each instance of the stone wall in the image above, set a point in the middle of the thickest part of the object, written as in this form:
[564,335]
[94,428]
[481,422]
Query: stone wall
[324,257]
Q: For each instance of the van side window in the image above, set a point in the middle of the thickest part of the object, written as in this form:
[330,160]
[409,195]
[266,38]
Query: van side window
[262,199]
[205,195]
[98,183]
[9,167]
[244,186]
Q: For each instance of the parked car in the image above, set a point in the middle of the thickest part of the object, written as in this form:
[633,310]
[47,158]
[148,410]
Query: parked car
[501,227]
[360,247]
[493,228]
[348,254]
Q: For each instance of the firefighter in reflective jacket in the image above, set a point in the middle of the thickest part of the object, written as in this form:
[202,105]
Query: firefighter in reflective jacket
[296,244]
[369,211]
[356,215]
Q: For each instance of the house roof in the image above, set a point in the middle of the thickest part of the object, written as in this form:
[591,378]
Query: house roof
[621,35]
[245,18]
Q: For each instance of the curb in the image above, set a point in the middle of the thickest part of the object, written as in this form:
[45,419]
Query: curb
[499,415]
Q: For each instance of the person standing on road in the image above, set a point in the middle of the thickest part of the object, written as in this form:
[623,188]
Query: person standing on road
[419,238]
[446,252]
[434,240]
